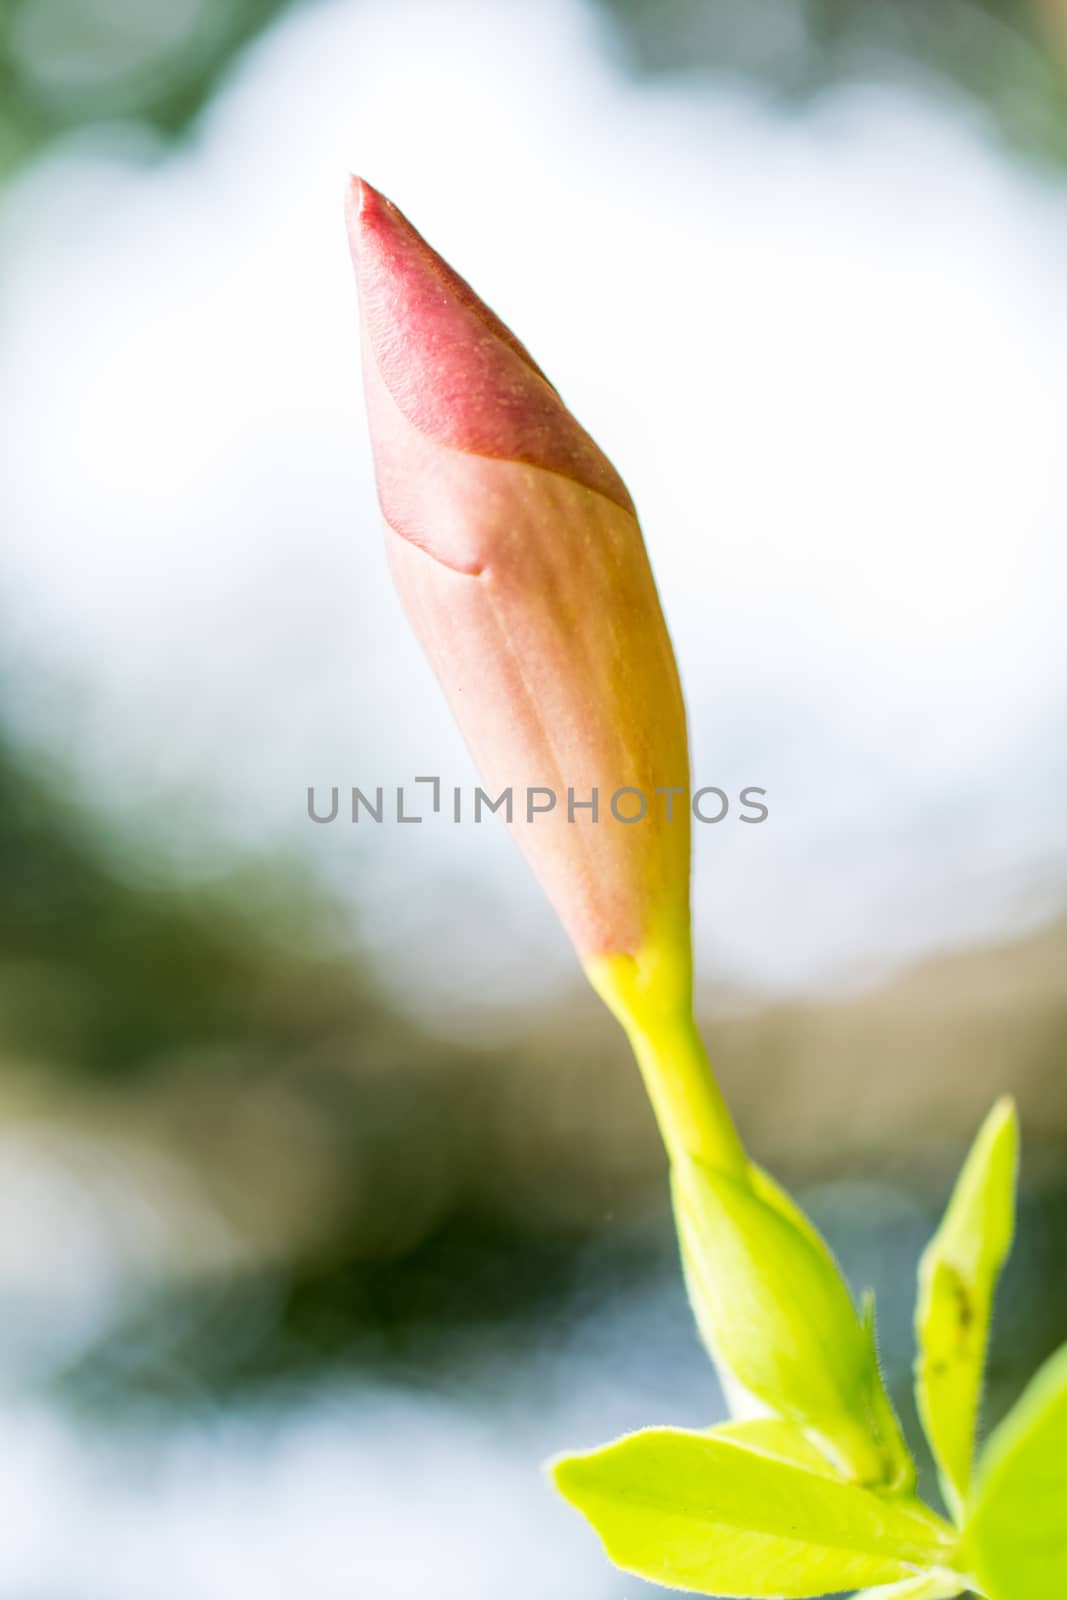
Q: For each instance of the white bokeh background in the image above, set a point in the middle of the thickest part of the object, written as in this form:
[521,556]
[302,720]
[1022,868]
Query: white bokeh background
[828,350]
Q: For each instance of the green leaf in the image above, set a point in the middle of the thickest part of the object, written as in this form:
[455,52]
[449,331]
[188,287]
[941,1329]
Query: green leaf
[1017,1531]
[779,1321]
[700,1511]
[935,1587]
[901,1473]
[957,1281]
[777,1439]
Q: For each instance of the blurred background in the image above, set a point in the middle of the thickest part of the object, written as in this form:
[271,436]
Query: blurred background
[329,1200]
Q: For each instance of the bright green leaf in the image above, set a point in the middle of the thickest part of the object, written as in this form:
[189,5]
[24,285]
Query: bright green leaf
[1017,1532]
[778,1439]
[779,1321]
[901,1475]
[935,1587]
[957,1281]
[701,1512]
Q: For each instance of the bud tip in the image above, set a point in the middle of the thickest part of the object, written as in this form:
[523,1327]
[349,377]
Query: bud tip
[356,199]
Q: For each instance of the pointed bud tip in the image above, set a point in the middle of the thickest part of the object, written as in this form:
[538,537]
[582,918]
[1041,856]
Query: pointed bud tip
[457,372]
[363,202]
[355,197]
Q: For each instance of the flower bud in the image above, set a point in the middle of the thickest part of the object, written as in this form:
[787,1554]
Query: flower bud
[518,557]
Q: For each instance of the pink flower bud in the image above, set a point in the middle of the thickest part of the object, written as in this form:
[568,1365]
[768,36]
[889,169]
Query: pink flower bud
[518,556]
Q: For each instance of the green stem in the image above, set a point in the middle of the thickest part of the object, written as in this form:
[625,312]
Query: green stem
[693,1116]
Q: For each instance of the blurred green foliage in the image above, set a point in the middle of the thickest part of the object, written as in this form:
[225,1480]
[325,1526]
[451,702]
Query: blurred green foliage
[227,1023]
[1010,56]
[68,65]
[109,967]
